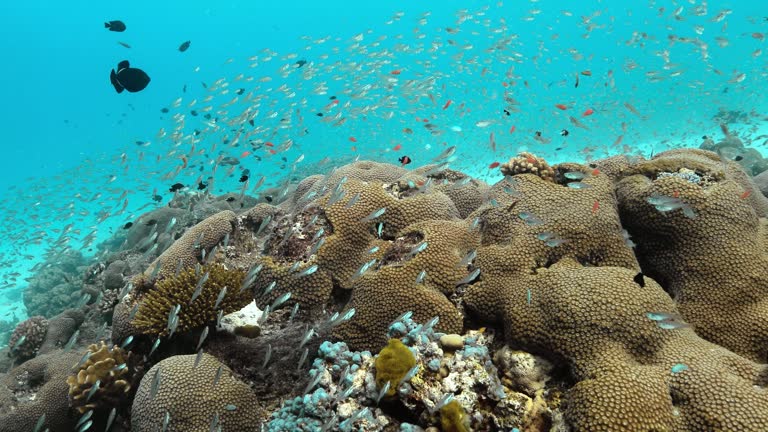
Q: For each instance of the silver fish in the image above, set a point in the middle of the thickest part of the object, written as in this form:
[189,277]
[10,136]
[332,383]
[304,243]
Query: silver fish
[155,384]
[470,277]
[375,214]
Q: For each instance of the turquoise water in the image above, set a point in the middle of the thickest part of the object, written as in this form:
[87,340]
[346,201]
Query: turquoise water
[413,76]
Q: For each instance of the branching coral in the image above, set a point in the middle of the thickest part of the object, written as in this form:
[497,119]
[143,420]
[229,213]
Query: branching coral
[220,292]
[527,163]
[103,381]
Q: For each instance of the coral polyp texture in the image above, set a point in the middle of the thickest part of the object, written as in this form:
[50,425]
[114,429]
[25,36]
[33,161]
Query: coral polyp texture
[193,395]
[706,247]
[198,294]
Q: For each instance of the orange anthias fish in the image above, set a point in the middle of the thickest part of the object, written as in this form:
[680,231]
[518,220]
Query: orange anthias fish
[561,106]
[396,72]
[353,139]
[447,104]
[493,165]
[397,147]
[595,206]
[588,112]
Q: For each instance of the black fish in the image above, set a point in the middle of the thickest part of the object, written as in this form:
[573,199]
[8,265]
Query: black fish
[404,160]
[639,279]
[564,132]
[202,185]
[738,158]
[268,198]
[128,78]
[230,199]
[128,225]
[319,114]
[333,98]
[176,187]
[164,110]
[115,26]
[185,46]
[157,198]
[240,91]
[301,62]
[243,178]
[506,112]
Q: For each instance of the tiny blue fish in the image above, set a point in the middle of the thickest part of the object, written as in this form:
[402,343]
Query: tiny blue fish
[579,185]
[679,367]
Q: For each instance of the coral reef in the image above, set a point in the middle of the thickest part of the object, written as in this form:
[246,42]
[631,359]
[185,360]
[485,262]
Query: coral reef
[55,287]
[27,337]
[193,395]
[102,381]
[622,294]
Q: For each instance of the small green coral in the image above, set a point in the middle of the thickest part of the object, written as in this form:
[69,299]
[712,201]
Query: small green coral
[392,364]
[453,418]
[154,306]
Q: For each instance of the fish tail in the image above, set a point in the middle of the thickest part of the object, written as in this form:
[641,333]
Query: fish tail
[106,25]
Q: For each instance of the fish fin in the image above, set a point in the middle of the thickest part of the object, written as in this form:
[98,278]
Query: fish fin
[123,65]
[115,83]
[106,25]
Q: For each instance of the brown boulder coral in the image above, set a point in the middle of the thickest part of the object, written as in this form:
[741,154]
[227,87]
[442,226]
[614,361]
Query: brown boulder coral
[391,288]
[532,222]
[194,397]
[186,251]
[706,246]
[632,374]
[36,388]
[338,235]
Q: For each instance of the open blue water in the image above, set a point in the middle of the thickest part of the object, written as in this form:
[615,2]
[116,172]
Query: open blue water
[419,75]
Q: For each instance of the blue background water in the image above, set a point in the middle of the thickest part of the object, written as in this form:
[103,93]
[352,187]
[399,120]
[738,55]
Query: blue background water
[65,128]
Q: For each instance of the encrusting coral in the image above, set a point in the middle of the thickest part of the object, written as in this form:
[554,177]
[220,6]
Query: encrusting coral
[103,381]
[392,364]
[178,291]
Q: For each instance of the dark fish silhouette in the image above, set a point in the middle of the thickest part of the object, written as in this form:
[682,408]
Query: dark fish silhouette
[185,46]
[301,63]
[176,187]
[128,78]
[404,160]
[639,279]
[115,26]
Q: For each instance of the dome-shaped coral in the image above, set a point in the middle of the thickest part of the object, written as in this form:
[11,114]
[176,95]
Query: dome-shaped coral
[28,337]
